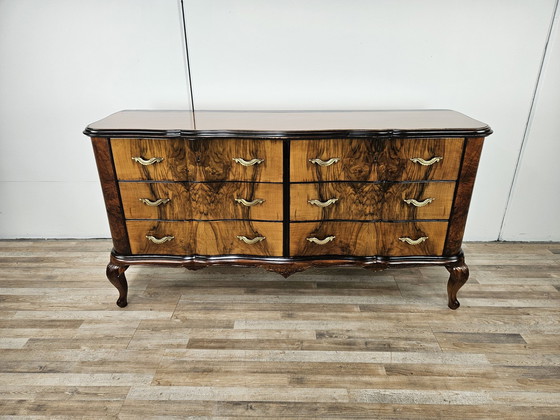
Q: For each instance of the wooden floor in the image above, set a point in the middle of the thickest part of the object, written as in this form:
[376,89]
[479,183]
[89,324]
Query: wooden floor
[244,343]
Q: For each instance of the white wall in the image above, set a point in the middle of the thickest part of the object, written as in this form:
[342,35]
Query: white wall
[534,210]
[66,63]
[480,57]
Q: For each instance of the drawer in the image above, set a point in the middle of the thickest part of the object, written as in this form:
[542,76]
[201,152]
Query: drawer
[367,201]
[216,200]
[205,238]
[198,160]
[375,159]
[157,159]
[363,239]
[235,159]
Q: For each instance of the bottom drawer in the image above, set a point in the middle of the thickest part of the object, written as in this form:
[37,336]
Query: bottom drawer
[363,239]
[205,238]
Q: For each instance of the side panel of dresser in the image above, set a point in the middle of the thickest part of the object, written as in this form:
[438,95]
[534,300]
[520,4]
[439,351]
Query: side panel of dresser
[463,193]
[110,188]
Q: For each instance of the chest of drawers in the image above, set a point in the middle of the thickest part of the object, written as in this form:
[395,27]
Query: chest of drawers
[287,190]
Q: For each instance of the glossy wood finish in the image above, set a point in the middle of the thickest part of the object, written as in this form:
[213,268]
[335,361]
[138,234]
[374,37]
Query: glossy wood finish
[368,169]
[212,160]
[461,204]
[458,276]
[109,186]
[202,201]
[172,168]
[205,238]
[289,124]
[362,239]
[368,201]
[374,159]
[198,160]
[241,343]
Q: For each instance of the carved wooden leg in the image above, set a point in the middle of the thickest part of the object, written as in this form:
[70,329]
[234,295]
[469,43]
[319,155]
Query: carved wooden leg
[115,274]
[458,276]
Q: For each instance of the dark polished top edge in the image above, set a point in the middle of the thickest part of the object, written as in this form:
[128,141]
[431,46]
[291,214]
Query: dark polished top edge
[293,135]
[288,124]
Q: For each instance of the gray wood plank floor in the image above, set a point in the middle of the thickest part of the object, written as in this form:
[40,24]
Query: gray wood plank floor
[243,343]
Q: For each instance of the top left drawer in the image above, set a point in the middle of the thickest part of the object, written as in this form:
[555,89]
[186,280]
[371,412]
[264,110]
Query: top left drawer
[150,159]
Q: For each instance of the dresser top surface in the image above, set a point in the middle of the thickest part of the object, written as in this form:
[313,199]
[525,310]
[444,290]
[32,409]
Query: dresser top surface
[386,123]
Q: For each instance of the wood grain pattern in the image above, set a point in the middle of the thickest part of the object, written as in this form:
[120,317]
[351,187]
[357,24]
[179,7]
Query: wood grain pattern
[461,204]
[205,238]
[201,201]
[361,239]
[212,160]
[172,168]
[367,201]
[375,159]
[109,186]
[243,343]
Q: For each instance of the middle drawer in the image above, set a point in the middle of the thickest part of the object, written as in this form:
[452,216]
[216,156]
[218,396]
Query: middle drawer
[368,201]
[202,201]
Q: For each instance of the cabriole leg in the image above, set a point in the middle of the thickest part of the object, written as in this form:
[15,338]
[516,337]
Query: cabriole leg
[115,274]
[458,276]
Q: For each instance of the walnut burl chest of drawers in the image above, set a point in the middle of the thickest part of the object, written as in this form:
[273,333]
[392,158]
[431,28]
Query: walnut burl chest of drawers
[287,190]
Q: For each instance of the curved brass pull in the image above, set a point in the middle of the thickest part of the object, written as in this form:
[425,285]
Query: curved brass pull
[160,241]
[321,203]
[156,203]
[321,241]
[320,162]
[249,203]
[414,241]
[147,162]
[423,162]
[251,241]
[251,162]
[416,203]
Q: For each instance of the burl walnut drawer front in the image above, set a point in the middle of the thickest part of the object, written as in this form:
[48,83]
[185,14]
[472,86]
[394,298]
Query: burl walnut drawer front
[205,238]
[368,201]
[198,160]
[157,159]
[375,159]
[363,239]
[235,159]
[203,201]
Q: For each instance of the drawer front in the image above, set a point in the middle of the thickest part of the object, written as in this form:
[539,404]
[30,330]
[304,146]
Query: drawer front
[363,239]
[235,159]
[367,201]
[198,160]
[205,238]
[202,201]
[156,159]
[375,159]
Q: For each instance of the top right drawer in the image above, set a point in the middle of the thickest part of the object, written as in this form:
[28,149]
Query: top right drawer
[375,159]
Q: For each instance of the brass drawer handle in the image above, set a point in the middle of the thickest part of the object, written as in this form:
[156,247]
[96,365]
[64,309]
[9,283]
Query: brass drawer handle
[416,203]
[251,241]
[160,241]
[251,162]
[321,241]
[423,162]
[156,203]
[147,162]
[321,203]
[414,241]
[249,203]
[320,162]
